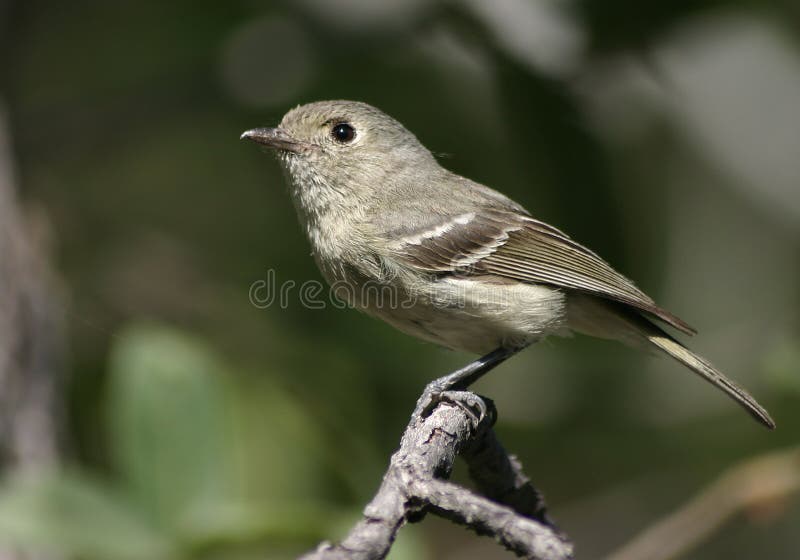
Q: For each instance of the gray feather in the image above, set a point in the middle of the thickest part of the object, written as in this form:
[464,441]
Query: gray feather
[513,245]
[704,369]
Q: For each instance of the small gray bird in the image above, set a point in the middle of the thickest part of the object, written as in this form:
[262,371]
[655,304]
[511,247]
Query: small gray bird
[449,260]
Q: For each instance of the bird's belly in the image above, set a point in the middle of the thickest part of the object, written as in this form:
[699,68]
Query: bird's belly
[477,315]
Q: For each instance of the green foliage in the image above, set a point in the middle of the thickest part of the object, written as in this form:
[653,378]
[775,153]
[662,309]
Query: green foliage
[76,515]
[205,459]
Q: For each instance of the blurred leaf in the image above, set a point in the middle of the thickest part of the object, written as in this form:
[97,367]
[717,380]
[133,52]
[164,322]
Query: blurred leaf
[212,455]
[168,419]
[282,523]
[75,516]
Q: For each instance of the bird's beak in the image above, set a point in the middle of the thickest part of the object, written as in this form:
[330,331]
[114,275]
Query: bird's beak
[274,138]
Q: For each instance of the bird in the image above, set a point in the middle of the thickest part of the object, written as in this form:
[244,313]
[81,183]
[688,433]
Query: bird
[449,260]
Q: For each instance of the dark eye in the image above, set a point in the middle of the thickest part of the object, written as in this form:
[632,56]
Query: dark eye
[343,133]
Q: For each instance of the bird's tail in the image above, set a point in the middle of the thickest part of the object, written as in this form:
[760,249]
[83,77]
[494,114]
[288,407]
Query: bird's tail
[609,320]
[701,367]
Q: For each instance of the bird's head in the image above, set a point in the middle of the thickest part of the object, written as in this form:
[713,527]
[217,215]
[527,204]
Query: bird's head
[342,149]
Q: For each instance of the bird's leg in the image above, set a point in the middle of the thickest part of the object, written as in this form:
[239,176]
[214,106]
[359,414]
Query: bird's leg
[462,378]
[452,387]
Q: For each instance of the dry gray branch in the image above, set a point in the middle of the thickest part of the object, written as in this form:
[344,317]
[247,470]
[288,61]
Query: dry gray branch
[755,483]
[499,477]
[415,484]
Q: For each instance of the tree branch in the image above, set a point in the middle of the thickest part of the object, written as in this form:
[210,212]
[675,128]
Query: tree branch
[415,483]
[764,482]
[499,477]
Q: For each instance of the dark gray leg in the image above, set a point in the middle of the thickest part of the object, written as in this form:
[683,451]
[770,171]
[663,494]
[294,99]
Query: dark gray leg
[461,379]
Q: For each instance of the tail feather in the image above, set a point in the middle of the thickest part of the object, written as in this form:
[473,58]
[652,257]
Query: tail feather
[605,319]
[701,367]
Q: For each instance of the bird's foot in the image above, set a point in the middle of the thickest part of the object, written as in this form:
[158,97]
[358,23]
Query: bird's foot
[477,408]
[453,387]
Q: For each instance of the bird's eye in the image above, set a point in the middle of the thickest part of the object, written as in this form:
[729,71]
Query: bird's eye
[343,133]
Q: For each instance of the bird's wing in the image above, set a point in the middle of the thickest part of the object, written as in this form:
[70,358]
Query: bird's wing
[519,247]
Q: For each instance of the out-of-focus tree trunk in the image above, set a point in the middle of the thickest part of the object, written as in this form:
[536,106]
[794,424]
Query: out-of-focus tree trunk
[30,338]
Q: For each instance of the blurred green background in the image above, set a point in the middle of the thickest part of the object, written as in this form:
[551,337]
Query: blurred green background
[663,135]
